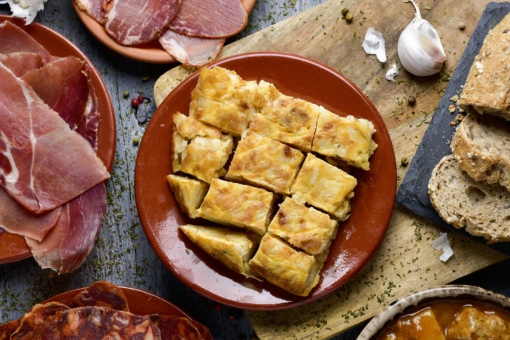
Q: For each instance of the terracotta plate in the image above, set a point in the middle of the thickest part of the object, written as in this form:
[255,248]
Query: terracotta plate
[150,53]
[358,237]
[140,302]
[12,247]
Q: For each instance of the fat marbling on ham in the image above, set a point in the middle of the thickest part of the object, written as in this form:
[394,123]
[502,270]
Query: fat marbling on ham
[132,22]
[30,132]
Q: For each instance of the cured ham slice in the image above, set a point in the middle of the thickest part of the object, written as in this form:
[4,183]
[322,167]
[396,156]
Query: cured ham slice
[21,62]
[18,220]
[210,19]
[15,39]
[94,9]
[63,85]
[132,22]
[66,246]
[191,50]
[31,170]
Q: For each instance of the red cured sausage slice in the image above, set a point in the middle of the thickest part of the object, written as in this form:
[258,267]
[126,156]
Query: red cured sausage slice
[132,22]
[101,294]
[218,19]
[191,50]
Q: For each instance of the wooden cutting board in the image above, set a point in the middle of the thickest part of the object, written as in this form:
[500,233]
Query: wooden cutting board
[405,262]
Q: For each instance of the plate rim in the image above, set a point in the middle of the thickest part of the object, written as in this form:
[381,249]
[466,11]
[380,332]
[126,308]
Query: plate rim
[298,300]
[106,133]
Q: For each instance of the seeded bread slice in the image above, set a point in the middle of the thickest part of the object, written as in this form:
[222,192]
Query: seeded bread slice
[481,145]
[482,208]
[487,87]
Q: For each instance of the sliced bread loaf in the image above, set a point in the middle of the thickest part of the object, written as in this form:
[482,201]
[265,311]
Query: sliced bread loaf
[481,145]
[482,208]
[487,87]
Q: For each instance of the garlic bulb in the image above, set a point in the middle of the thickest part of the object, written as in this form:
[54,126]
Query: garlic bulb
[419,48]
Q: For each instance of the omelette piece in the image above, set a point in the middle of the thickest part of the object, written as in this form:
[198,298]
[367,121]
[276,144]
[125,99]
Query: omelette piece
[188,192]
[347,138]
[304,227]
[237,205]
[265,162]
[233,248]
[223,99]
[289,120]
[199,150]
[101,294]
[325,187]
[290,269]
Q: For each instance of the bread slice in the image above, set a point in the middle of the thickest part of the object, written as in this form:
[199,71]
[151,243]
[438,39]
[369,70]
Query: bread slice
[487,87]
[233,248]
[481,145]
[482,209]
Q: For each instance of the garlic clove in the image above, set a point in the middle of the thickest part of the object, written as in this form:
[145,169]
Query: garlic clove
[374,44]
[392,72]
[419,47]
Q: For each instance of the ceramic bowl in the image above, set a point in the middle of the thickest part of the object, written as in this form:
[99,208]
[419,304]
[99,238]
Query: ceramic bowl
[429,295]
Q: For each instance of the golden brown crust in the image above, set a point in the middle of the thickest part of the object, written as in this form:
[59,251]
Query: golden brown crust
[188,192]
[224,100]
[292,270]
[487,85]
[199,150]
[324,186]
[233,248]
[265,162]
[346,138]
[289,120]
[303,227]
[237,205]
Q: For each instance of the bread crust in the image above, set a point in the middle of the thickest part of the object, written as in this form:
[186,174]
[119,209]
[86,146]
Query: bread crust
[487,85]
[481,146]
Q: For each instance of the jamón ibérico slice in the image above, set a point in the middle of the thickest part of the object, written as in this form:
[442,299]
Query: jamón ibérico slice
[43,163]
[21,62]
[68,243]
[133,22]
[93,8]
[62,84]
[16,219]
[191,50]
[15,39]
[210,19]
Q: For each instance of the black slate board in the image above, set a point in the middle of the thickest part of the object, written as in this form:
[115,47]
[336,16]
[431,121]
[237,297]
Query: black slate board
[412,193]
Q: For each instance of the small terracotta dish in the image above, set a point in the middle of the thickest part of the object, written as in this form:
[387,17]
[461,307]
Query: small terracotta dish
[453,299]
[151,52]
[358,237]
[13,247]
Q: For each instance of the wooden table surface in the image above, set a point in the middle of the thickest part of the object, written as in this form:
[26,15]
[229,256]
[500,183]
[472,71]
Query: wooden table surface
[405,261]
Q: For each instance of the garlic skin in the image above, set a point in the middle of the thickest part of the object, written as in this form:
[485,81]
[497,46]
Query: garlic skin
[419,47]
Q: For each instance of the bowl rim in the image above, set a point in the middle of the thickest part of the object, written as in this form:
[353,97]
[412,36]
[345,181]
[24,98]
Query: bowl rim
[438,292]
